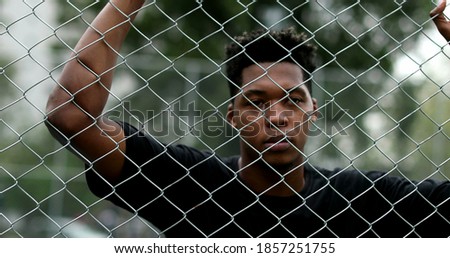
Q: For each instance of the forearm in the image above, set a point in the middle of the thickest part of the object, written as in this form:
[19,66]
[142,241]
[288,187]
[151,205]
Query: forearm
[87,77]
[98,47]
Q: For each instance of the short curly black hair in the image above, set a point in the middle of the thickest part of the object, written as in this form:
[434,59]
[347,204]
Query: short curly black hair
[286,45]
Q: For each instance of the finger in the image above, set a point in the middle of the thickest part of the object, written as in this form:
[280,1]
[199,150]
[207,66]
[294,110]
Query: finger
[439,9]
[439,19]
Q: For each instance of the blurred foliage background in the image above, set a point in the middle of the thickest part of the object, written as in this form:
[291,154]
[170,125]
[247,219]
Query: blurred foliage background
[383,105]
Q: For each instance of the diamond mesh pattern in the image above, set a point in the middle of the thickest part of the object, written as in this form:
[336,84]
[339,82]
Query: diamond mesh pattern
[383,100]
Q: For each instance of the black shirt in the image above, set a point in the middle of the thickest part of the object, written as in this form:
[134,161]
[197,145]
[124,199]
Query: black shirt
[190,193]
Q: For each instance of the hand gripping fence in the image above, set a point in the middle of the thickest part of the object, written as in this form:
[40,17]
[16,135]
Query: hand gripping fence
[381,85]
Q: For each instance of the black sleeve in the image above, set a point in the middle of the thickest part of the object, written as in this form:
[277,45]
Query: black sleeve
[374,204]
[397,206]
[158,181]
[424,205]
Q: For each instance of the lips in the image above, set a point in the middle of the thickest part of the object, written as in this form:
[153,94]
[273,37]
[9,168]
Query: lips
[277,144]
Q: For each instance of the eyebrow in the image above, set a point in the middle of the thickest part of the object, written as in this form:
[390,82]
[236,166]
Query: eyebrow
[295,89]
[254,92]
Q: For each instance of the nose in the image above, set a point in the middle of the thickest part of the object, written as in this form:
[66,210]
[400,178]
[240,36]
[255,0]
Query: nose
[277,116]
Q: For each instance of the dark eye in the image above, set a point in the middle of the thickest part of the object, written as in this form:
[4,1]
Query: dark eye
[258,103]
[295,100]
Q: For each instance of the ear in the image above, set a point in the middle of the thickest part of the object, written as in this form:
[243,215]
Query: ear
[231,115]
[315,108]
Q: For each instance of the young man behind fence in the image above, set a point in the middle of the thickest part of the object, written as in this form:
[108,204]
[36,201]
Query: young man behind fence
[269,190]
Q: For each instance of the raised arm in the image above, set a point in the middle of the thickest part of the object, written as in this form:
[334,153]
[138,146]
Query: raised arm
[75,106]
[442,24]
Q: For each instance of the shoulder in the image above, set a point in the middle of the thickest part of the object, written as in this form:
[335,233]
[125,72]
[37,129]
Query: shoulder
[338,174]
[354,181]
[346,181]
[344,174]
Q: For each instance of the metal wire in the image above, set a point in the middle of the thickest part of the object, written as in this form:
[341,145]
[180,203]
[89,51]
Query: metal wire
[43,191]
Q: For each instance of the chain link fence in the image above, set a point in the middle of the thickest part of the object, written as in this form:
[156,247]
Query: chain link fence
[381,86]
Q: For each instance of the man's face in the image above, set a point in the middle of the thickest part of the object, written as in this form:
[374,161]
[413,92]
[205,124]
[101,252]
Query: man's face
[272,113]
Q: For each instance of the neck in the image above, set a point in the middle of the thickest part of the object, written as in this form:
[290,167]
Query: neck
[269,180]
